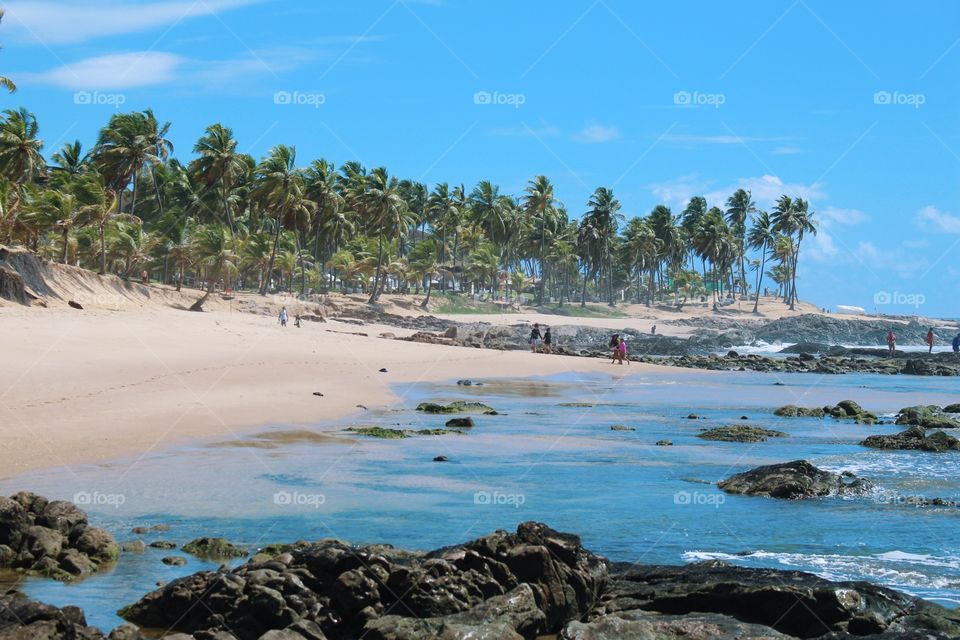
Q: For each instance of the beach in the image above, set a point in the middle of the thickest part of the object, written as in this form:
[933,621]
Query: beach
[90,385]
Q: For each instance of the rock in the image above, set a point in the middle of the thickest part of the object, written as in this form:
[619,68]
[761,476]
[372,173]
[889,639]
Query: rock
[217,548]
[460,406]
[693,416]
[387,335]
[317,393]
[380,432]
[61,516]
[76,563]
[469,383]
[98,544]
[163,544]
[621,427]
[24,619]
[741,433]
[636,625]
[74,305]
[914,438]
[792,480]
[952,408]
[793,411]
[383,370]
[929,417]
[463,423]
[440,459]
[664,443]
[133,546]
[174,561]
[450,333]
[584,405]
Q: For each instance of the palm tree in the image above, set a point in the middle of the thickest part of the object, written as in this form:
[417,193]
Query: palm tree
[387,214]
[740,207]
[538,203]
[20,158]
[219,165]
[424,263]
[805,224]
[605,216]
[760,239]
[642,249]
[280,188]
[213,247]
[70,161]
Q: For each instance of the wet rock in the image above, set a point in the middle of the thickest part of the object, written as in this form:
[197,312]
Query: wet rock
[462,423]
[952,408]
[460,406]
[792,480]
[664,443]
[51,538]
[440,459]
[741,433]
[914,438]
[927,416]
[163,544]
[216,548]
[621,427]
[133,546]
[174,561]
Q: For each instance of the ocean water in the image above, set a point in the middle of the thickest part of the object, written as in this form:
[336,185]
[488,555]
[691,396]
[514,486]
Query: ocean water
[539,460]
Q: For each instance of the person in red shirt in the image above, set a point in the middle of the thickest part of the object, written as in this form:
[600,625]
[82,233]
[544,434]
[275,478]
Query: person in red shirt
[930,340]
[892,342]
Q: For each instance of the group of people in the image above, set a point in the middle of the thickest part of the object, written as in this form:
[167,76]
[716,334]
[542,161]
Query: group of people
[284,317]
[931,339]
[619,346]
[541,342]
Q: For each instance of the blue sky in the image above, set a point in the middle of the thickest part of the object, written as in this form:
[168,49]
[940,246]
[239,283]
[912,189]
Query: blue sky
[853,105]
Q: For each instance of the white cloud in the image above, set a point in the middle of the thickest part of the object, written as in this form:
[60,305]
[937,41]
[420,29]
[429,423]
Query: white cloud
[597,133]
[718,139]
[55,22]
[867,252]
[830,215]
[111,72]
[765,190]
[932,218]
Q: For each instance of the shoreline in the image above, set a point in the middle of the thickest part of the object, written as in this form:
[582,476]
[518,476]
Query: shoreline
[84,388]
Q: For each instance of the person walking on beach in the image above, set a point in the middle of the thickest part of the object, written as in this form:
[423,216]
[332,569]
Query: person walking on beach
[296,321]
[547,340]
[283,317]
[930,340]
[535,338]
[956,343]
[653,330]
[892,342]
[620,352]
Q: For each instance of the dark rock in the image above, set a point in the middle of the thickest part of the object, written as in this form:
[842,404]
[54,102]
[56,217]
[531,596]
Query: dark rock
[460,406]
[741,433]
[621,427]
[664,443]
[791,480]
[952,408]
[463,423]
[914,438]
[217,548]
[440,459]
[74,305]
[929,417]
[174,561]
[163,544]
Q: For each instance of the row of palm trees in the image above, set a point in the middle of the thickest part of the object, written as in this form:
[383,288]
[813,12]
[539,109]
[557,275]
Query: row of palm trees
[275,224]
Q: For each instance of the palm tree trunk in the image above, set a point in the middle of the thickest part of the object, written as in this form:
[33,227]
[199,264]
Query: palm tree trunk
[793,276]
[273,256]
[66,243]
[763,264]
[103,249]
[303,266]
[583,295]
[377,278]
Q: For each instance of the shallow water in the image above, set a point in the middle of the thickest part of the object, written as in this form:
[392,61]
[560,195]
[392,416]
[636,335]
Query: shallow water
[630,500]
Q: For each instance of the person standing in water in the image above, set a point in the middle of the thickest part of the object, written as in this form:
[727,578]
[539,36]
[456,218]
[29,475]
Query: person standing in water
[956,343]
[930,340]
[535,338]
[283,317]
[892,342]
[547,340]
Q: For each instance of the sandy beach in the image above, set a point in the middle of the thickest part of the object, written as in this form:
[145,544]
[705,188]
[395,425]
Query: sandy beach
[84,386]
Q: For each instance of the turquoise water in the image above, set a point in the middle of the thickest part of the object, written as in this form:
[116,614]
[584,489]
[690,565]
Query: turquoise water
[628,499]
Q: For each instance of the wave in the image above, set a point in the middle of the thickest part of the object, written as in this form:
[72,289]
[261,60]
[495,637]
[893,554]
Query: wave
[909,572]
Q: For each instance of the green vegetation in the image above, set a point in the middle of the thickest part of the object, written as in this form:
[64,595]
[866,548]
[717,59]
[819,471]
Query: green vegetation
[398,434]
[460,304]
[459,406]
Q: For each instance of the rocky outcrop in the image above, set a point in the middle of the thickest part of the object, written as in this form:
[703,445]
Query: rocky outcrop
[914,438]
[543,579]
[459,406]
[843,410]
[741,433]
[51,538]
[927,416]
[719,601]
[214,548]
[792,480]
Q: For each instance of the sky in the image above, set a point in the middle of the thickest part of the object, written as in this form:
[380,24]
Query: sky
[853,105]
